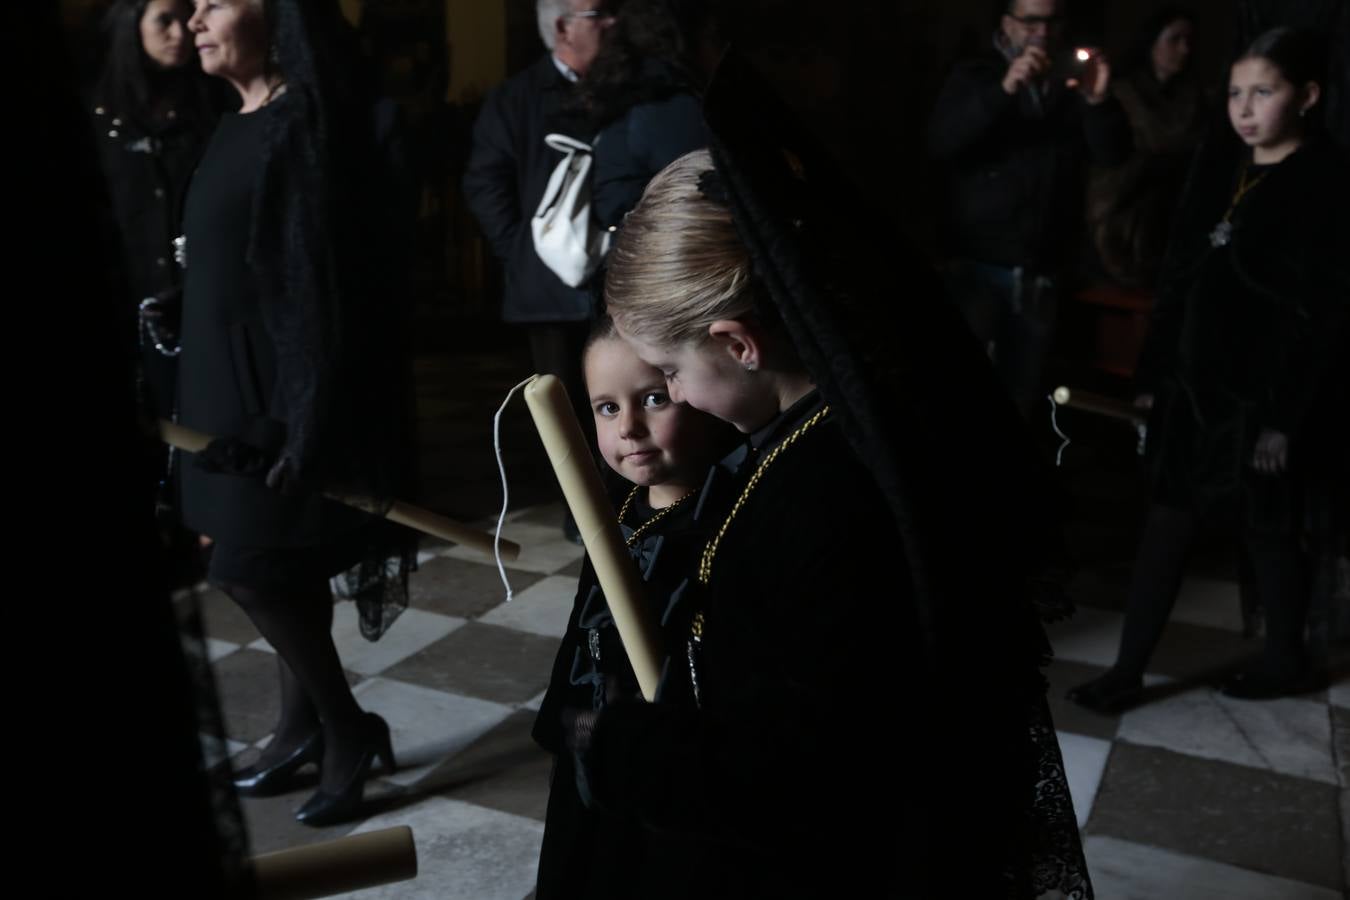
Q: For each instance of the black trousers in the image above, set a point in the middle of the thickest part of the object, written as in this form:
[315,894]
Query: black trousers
[1273,561]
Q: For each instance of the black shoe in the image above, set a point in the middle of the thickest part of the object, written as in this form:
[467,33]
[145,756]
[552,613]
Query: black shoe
[1111,693]
[328,809]
[279,777]
[1262,684]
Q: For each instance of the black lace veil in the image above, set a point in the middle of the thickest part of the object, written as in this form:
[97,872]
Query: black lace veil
[921,406]
[329,244]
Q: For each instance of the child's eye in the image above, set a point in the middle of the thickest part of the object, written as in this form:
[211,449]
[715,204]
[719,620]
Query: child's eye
[607,409]
[655,400]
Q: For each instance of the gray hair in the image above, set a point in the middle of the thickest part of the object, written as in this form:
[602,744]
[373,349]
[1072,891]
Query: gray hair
[548,12]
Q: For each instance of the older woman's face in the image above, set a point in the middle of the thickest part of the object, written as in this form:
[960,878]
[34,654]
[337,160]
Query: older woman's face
[164,34]
[231,38]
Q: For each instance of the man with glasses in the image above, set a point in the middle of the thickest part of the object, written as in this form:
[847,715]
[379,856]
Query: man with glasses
[1015,128]
[508,172]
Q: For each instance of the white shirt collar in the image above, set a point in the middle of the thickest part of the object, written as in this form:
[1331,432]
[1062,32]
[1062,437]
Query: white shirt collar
[565,70]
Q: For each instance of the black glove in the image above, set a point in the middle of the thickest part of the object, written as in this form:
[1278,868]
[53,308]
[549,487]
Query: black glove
[231,456]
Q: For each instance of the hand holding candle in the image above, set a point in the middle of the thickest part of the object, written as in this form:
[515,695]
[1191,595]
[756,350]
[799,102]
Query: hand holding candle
[614,568]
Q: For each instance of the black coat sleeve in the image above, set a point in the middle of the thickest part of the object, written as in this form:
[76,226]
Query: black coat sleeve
[630,152]
[491,180]
[970,106]
[1186,247]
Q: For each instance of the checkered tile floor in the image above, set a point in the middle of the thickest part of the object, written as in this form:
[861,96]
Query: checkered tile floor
[1192,795]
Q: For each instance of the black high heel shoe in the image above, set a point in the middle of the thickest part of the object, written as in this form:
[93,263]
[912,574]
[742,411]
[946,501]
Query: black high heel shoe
[328,809]
[279,777]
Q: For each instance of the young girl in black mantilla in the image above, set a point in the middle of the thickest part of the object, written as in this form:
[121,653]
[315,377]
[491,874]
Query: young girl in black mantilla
[1244,371]
[661,450]
[864,585]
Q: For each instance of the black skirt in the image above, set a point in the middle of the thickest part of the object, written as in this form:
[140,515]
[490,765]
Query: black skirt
[290,567]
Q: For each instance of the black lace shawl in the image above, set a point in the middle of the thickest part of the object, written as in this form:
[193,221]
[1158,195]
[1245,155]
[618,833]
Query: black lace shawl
[920,405]
[324,247]
[328,245]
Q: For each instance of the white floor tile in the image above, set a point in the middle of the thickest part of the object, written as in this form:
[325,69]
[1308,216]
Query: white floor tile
[542,608]
[1289,736]
[1340,692]
[464,852]
[217,650]
[428,726]
[1084,763]
[1125,871]
[214,751]
[413,630]
[1091,636]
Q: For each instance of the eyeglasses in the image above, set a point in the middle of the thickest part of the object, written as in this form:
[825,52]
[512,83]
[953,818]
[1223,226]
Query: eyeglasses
[1033,21]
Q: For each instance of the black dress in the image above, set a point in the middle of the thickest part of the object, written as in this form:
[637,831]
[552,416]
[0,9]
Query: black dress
[1249,333]
[589,852]
[228,385]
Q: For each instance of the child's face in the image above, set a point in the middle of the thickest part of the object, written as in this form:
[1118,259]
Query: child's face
[1262,105]
[643,434]
[706,377]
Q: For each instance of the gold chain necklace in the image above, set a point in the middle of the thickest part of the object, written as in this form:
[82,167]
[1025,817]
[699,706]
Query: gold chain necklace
[705,564]
[694,645]
[656,517]
[1223,232]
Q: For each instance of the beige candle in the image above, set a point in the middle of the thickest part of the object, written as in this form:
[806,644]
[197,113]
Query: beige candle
[1102,406]
[336,867]
[614,567]
[415,517]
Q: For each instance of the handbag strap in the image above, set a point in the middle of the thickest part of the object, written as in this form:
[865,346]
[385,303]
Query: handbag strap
[564,144]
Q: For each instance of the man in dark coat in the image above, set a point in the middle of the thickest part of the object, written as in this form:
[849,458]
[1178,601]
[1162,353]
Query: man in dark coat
[1015,127]
[507,174]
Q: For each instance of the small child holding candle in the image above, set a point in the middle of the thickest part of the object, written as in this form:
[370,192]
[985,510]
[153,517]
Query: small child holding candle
[661,452]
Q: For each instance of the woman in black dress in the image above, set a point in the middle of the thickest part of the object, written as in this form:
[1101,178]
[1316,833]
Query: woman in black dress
[1244,370]
[287,359]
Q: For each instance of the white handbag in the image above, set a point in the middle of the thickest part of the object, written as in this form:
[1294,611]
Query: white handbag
[565,238]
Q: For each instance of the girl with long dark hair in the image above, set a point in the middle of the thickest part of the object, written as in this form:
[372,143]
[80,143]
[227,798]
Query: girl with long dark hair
[152,111]
[1244,369]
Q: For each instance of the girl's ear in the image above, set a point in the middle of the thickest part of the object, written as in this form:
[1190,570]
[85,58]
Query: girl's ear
[1311,93]
[738,338]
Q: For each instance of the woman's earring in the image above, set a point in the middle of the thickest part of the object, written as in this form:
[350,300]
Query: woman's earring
[749,367]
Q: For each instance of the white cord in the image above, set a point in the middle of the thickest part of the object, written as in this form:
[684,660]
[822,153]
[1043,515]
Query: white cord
[1054,423]
[501,467]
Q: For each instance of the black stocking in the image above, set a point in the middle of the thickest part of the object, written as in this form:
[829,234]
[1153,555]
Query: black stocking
[298,624]
[1158,570]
